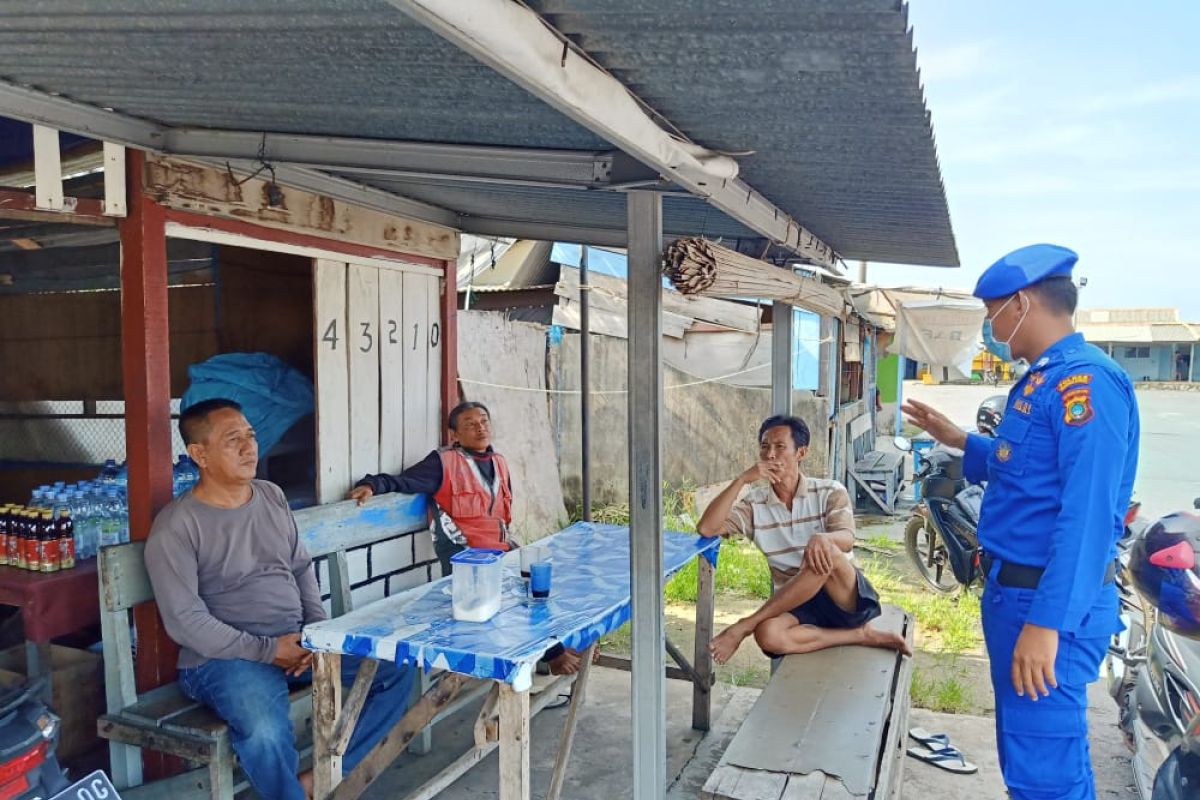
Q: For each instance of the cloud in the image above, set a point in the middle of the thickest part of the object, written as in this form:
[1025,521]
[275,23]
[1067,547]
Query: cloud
[955,63]
[1010,139]
[1177,90]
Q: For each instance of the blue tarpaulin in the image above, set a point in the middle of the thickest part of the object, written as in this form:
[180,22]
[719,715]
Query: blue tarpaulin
[273,396]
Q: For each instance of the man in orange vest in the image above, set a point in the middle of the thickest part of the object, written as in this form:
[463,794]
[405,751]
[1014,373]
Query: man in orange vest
[472,494]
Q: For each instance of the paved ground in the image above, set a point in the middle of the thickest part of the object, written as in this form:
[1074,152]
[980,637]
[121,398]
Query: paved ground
[600,768]
[1170,438]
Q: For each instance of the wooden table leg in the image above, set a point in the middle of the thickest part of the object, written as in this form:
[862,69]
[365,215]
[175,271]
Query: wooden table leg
[514,743]
[703,663]
[559,775]
[327,704]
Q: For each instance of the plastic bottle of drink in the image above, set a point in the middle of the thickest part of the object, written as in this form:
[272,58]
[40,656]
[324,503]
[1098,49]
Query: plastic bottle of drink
[15,523]
[121,479]
[4,534]
[122,519]
[36,498]
[107,472]
[108,532]
[85,524]
[65,533]
[49,558]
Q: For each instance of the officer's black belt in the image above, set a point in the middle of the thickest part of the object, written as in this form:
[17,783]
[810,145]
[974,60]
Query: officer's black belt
[1023,576]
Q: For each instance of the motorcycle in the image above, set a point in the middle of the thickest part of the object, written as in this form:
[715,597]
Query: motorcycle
[1153,670]
[942,537]
[29,733]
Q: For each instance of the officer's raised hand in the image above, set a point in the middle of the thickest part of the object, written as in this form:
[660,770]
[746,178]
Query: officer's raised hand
[1033,661]
[935,423]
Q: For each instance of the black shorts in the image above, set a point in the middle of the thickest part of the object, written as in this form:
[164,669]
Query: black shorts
[822,612]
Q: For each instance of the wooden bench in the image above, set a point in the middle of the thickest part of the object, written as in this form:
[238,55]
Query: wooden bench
[165,719]
[830,725]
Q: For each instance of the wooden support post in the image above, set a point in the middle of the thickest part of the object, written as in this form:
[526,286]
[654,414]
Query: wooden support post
[449,302]
[327,702]
[47,169]
[514,744]
[397,739]
[145,356]
[702,662]
[354,705]
[484,729]
[568,738]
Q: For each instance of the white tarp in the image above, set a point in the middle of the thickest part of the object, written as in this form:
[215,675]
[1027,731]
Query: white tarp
[941,333]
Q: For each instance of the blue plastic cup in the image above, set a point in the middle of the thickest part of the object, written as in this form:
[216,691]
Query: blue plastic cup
[539,580]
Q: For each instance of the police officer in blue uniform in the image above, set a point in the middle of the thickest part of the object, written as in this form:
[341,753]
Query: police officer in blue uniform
[1060,473]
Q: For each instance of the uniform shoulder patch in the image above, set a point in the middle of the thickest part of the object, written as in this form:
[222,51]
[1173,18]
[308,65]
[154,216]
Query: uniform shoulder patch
[1077,405]
[1078,379]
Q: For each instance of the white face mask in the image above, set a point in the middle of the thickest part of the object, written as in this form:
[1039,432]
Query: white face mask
[1002,350]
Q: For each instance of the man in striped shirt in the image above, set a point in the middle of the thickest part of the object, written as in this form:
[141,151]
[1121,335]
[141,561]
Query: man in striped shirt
[805,528]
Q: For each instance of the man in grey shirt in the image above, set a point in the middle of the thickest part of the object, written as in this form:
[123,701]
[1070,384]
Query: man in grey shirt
[234,587]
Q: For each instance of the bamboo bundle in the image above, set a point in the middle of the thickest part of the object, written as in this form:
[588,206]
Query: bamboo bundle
[700,267]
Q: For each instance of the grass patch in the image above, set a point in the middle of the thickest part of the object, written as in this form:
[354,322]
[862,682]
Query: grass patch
[741,569]
[938,691]
[950,623]
[881,542]
[741,572]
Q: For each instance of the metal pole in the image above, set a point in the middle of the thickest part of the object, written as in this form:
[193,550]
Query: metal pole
[900,364]
[1192,365]
[585,400]
[645,495]
[781,358]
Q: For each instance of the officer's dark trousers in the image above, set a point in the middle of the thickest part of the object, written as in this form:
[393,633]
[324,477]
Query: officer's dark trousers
[1043,746]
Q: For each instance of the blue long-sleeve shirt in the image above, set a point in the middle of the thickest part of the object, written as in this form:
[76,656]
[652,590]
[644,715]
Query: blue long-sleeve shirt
[1060,474]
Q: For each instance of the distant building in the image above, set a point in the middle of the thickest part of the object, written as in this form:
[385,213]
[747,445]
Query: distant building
[1151,344]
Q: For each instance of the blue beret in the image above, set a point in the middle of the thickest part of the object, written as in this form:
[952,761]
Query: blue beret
[1024,267]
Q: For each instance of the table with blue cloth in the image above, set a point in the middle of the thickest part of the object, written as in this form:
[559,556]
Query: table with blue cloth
[590,597]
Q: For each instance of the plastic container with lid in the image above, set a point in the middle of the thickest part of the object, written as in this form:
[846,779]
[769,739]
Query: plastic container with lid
[475,587]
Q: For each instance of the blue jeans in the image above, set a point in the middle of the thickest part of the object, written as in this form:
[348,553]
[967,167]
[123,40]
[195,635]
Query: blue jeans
[253,699]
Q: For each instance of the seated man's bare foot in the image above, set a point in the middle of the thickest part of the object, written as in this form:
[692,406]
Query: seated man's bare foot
[566,663]
[873,637]
[726,643]
[306,780]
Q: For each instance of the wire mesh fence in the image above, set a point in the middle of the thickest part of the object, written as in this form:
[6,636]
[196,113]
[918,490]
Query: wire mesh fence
[68,431]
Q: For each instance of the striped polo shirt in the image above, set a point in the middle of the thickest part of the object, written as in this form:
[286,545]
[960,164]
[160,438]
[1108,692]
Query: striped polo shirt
[782,533]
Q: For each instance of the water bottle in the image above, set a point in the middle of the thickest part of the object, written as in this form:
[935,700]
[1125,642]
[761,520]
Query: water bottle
[91,531]
[108,472]
[79,512]
[110,519]
[36,499]
[121,478]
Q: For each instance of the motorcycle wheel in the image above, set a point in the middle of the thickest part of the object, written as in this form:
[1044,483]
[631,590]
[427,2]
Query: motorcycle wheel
[928,554]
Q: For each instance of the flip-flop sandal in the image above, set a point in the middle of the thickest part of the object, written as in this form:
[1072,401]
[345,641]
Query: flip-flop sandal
[933,741]
[947,758]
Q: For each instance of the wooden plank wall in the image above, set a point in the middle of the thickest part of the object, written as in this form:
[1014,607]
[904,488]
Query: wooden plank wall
[377,339]
[265,305]
[67,346]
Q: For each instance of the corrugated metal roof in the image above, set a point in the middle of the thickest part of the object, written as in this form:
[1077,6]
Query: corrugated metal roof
[824,94]
[1154,333]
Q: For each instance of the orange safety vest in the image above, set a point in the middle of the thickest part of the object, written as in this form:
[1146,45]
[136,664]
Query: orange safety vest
[482,512]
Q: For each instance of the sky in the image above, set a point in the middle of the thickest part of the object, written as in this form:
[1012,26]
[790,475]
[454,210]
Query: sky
[1070,122]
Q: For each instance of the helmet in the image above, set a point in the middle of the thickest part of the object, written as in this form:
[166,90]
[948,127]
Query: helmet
[1164,563]
[990,412]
